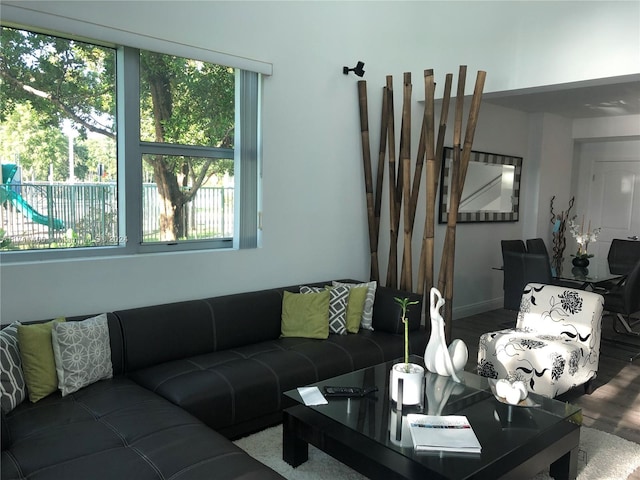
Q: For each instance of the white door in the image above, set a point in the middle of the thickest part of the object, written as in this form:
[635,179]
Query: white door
[614,203]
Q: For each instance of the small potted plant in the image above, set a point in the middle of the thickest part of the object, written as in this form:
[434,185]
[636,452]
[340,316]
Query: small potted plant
[581,258]
[412,374]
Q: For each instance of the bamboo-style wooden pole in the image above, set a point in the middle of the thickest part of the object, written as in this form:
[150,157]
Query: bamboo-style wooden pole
[384,124]
[422,148]
[458,178]
[445,277]
[366,161]
[426,274]
[394,204]
[405,159]
[425,269]
[457,134]
[442,130]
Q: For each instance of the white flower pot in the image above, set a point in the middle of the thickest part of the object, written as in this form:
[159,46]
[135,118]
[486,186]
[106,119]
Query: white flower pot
[413,383]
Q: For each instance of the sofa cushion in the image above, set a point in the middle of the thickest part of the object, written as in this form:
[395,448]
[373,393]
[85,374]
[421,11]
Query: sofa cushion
[82,353]
[13,389]
[355,307]
[338,297]
[387,314]
[38,363]
[367,312]
[305,314]
[117,429]
[233,390]
[162,333]
[235,318]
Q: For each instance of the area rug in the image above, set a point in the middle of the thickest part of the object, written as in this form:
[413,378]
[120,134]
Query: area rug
[603,457]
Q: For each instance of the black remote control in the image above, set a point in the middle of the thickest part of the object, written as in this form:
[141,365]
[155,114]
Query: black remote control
[348,391]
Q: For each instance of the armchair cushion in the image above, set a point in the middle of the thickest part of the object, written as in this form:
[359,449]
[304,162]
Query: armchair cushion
[555,345]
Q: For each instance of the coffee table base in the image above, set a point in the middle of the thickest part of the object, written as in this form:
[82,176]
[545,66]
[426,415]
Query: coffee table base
[303,426]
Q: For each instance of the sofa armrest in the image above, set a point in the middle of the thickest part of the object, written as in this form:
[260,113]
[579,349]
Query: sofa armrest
[387,314]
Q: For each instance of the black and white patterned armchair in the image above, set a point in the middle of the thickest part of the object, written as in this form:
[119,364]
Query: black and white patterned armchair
[555,345]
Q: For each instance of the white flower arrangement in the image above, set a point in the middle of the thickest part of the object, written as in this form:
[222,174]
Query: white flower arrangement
[583,239]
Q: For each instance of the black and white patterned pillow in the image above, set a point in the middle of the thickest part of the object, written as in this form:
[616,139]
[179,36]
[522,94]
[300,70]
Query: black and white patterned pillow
[82,353]
[13,389]
[338,297]
[367,312]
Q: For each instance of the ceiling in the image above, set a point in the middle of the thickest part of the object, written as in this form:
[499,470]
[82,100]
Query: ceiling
[610,97]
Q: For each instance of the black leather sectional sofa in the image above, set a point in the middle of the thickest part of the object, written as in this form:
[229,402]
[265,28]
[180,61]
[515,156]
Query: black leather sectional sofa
[189,377]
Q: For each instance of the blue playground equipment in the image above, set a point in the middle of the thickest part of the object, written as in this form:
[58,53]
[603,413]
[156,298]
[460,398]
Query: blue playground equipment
[7,194]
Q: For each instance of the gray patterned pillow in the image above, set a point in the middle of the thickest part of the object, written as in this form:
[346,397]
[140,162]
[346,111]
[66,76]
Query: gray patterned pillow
[367,313]
[338,297]
[82,352]
[12,386]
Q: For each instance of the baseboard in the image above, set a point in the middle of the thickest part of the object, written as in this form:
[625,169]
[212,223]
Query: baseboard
[476,308]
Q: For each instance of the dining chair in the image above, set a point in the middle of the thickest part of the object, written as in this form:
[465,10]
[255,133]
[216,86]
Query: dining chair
[537,245]
[516,245]
[520,269]
[623,300]
[513,246]
[555,344]
[623,255]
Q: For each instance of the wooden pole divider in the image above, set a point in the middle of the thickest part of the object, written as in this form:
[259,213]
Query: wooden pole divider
[403,190]
[405,158]
[394,204]
[384,124]
[366,160]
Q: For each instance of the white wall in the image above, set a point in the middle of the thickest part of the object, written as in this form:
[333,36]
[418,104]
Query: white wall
[314,212]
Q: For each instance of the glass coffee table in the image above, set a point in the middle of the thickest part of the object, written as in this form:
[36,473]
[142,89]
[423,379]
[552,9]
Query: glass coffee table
[371,436]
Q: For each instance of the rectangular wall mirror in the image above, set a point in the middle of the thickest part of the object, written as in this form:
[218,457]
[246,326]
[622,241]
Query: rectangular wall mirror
[491,190]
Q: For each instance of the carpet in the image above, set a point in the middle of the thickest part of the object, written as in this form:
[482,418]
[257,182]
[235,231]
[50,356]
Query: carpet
[607,457]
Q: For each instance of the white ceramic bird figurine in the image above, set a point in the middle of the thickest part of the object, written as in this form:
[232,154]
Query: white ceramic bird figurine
[437,357]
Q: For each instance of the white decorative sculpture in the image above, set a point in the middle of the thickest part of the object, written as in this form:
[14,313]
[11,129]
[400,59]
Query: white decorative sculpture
[512,392]
[437,357]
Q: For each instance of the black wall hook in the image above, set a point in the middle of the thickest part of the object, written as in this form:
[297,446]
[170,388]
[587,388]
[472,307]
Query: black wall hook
[358,69]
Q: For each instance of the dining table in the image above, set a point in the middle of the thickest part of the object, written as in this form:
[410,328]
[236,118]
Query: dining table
[599,271]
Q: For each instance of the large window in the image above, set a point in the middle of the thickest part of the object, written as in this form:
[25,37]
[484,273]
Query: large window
[110,149]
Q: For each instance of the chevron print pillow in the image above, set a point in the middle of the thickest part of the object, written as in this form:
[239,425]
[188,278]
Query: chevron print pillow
[12,386]
[367,313]
[338,297]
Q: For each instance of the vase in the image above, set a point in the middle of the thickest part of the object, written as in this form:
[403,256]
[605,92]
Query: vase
[438,358]
[412,376]
[581,262]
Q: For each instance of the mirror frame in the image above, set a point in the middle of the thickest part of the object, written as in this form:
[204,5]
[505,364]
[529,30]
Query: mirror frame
[480,216]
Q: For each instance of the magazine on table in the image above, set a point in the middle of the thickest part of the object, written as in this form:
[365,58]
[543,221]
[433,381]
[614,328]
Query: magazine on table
[447,433]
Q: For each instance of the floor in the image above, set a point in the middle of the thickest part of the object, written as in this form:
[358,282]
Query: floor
[613,407]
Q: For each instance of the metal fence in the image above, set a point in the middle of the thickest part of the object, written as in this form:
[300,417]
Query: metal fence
[44,215]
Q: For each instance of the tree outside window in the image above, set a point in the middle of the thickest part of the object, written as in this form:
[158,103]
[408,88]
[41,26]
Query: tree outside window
[186,145]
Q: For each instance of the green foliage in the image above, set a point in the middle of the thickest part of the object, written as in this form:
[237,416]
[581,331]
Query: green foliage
[45,80]
[28,139]
[5,242]
[61,78]
[404,305]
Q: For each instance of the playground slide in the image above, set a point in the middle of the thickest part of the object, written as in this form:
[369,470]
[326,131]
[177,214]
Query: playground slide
[6,194]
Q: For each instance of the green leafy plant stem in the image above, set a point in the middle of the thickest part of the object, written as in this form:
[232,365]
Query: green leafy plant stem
[404,305]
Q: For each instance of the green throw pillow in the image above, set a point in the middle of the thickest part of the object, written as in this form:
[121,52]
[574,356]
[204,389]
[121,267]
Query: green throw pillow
[38,363]
[355,306]
[305,315]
